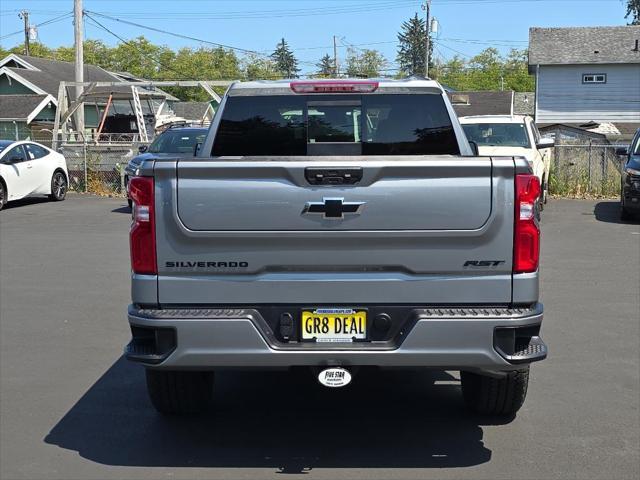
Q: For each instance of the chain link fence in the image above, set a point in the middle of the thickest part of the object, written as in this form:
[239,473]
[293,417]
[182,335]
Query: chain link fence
[585,170]
[98,169]
[577,170]
[96,166]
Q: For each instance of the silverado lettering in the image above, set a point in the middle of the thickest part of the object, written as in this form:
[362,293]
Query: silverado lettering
[206,264]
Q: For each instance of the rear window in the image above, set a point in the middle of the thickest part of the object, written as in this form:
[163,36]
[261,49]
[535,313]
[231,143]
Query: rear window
[177,141]
[378,124]
[498,134]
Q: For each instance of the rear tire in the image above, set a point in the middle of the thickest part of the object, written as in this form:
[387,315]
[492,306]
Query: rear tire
[59,186]
[624,214]
[495,396]
[179,392]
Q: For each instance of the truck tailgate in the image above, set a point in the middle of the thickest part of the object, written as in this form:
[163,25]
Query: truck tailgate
[436,230]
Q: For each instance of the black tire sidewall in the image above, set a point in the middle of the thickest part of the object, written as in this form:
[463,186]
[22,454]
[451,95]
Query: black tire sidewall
[66,186]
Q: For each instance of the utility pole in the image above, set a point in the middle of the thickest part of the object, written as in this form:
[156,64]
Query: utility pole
[427,27]
[24,14]
[335,58]
[79,64]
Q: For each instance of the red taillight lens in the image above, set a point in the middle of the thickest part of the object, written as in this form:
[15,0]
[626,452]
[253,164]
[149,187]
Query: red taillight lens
[526,244]
[142,238]
[333,86]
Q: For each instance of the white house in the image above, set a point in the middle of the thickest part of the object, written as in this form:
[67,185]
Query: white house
[587,77]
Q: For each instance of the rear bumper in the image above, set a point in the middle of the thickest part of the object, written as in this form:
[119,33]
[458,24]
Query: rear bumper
[457,338]
[631,194]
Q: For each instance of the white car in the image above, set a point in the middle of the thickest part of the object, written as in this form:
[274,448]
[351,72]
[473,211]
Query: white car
[512,136]
[28,168]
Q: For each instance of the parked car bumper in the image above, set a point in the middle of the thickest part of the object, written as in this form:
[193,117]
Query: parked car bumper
[631,195]
[495,339]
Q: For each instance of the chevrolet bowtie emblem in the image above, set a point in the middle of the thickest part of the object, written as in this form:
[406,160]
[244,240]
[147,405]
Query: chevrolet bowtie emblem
[333,208]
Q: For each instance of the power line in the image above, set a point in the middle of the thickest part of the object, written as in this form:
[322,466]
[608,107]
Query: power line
[453,49]
[133,45]
[271,13]
[178,35]
[47,22]
[188,37]
[158,62]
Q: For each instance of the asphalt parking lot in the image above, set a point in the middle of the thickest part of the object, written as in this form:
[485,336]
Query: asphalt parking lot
[72,408]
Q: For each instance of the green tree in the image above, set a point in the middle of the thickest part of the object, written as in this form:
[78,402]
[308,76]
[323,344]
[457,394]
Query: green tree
[453,73]
[285,62]
[139,57]
[326,67]
[516,72]
[412,46]
[36,49]
[633,11]
[485,70]
[203,63]
[488,71]
[365,63]
[95,53]
[259,68]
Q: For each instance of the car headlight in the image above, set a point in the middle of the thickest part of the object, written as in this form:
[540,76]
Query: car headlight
[632,171]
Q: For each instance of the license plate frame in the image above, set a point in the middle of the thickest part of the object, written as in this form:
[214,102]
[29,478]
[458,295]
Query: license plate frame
[331,338]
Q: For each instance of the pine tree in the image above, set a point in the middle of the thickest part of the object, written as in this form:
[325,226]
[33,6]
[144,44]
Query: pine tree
[286,63]
[326,67]
[633,11]
[412,44]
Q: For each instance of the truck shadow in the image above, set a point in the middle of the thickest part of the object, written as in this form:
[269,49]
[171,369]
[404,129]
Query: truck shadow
[609,212]
[280,420]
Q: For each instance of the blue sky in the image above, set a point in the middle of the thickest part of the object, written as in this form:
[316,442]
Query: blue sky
[466,26]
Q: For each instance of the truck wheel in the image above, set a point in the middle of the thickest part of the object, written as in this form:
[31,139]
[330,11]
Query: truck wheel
[179,392]
[624,214]
[545,192]
[495,396]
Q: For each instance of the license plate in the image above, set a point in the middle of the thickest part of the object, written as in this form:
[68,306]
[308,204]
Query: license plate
[334,325]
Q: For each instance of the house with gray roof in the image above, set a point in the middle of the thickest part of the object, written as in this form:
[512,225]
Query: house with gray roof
[587,77]
[29,96]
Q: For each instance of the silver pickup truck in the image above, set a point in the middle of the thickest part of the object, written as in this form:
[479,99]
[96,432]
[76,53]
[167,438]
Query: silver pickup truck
[335,224]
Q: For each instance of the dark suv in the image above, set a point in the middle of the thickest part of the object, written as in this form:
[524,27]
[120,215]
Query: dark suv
[175,142]
[630,185]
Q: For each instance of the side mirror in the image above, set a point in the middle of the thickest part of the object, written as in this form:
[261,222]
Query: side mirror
[15,159]
[545,143]
[622,151]
[197,148]
[474,148]
[143,148]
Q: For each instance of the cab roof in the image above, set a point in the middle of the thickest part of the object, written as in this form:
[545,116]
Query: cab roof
[384,85]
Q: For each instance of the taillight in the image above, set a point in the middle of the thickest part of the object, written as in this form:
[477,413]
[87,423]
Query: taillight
[142,238]
[526,244]
[334,86]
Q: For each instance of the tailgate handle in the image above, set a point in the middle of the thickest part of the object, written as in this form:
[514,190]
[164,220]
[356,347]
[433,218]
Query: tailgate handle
[333,176]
